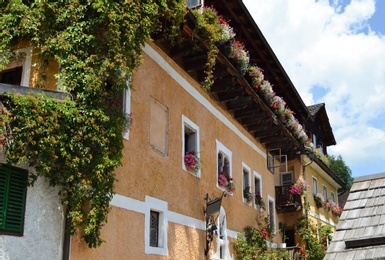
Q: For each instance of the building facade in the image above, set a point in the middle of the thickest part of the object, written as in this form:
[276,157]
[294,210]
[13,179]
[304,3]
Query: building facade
[189,146]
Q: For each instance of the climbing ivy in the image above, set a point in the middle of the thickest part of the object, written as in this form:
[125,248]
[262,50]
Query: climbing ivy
[77,144]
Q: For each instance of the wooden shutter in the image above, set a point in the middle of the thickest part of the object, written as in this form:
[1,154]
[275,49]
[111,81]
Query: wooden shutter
[13,189]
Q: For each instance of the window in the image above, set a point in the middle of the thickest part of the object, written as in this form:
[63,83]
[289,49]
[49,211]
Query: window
[276,162]
[126,107]
[155,229]
[332,197]
[159,126]
[190,143]
[18,71]
[13,189]
[324,192]
[286,178]
[314,140]
[315,190]
[194,3]
[246,186]
[271,211]
[258,202]
[224,176]
[222,247]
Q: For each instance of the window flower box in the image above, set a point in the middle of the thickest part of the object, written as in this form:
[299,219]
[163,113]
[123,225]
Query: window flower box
[192,162]
[226,182]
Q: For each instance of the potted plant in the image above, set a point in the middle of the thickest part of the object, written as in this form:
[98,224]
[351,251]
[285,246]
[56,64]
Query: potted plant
[282,230]
[226,182]
[259,202]
[192,162]
[337,211]
[247,195]
[299,187]
[319,200]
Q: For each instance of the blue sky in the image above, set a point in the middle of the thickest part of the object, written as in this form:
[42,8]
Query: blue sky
[334,53]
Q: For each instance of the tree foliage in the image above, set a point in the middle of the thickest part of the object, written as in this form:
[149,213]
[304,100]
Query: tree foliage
[77,143]
[339,167]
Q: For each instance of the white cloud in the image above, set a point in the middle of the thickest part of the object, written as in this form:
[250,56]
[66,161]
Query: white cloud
[330,45]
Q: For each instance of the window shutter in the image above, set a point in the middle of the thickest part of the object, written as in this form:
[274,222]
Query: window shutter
[12,199]
[3,186]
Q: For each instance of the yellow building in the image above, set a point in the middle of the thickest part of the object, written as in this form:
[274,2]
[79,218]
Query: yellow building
[170,205]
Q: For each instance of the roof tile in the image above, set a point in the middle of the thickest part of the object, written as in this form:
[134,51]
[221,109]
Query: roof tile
[337,247]
[357,186]
[355,213]
[338,236]
[347,224]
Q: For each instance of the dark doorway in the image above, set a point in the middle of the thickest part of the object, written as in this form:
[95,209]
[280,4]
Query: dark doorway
[290,241]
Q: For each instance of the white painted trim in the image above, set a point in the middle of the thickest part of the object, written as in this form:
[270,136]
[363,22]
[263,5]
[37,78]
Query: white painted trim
[127,104]
[161,207]
[312,184]
[222,242]
[138,206]
[270,198]
[315,215]
[25,62]
[187,122]
[199,97]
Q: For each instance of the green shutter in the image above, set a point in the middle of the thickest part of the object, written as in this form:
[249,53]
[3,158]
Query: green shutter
[13,199]
[3,192]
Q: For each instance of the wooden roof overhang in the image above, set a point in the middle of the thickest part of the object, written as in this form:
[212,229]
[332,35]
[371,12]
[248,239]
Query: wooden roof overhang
[261,53]
[232,91]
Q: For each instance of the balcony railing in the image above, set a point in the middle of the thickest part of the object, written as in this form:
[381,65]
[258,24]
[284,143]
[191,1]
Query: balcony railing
[294,252]
[285,201]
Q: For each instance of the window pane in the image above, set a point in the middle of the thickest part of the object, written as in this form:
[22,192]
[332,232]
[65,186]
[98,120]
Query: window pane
[325,192]
[314,186]
[154,228]
[257,185]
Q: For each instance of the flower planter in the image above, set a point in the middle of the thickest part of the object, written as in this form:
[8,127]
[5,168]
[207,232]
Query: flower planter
[282,245]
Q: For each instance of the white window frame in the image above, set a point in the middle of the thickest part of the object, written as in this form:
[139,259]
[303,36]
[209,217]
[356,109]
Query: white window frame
[284,173]
[221,239]
[315,190]
[333,197]
[199,4]
[325,192]
[25,63]
[127,105]
[190,124]
[225,151]
[272,200]
[248,170]
[258,176]
[153,204]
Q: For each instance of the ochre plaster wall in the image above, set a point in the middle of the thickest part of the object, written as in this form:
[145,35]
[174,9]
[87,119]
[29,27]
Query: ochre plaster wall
[145,171]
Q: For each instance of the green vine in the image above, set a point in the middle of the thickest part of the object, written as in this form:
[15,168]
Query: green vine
[77,144]
[214,30]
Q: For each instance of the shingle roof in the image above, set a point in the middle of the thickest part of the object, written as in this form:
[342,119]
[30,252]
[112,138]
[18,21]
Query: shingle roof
[361,229]
[313,109]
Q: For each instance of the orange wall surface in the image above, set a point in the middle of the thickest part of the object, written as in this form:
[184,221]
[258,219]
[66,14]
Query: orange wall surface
[146,171]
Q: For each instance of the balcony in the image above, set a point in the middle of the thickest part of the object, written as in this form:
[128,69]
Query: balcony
[285,201]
